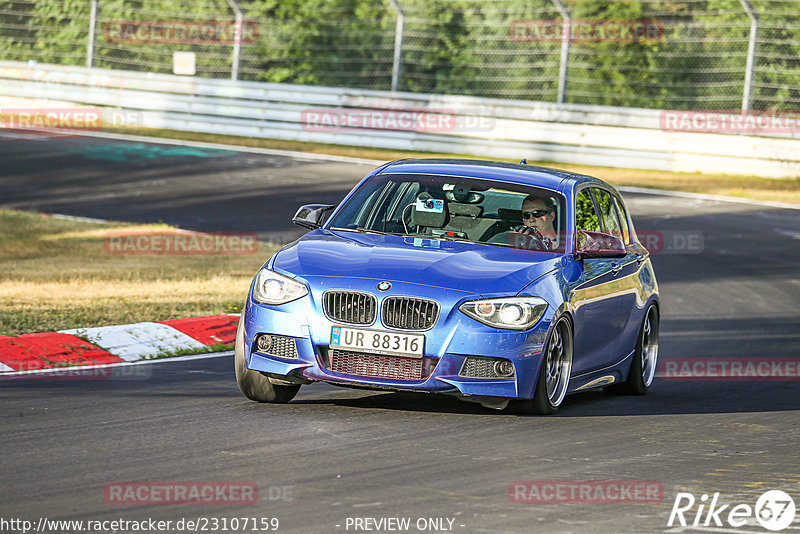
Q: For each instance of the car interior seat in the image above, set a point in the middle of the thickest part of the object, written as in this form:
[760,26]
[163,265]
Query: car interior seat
[465,219]
[507,219]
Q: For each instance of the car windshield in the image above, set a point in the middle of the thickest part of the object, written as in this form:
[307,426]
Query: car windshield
[458,209]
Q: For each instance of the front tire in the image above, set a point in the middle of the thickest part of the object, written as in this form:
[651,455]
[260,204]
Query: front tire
[645,358]
[253,384]
[553,381]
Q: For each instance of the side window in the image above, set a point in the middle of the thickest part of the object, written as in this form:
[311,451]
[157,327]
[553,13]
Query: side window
[623,217]
[360,207]
[585,216]
[608,213]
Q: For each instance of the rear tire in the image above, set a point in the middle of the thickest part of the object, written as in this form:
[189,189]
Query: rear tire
[645,358]
[253,384]
[554,373]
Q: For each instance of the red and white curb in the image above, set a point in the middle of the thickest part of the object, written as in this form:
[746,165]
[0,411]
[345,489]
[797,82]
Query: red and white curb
[114,344]
[133,342]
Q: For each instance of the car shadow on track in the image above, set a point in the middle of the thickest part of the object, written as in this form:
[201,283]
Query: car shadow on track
[689,397]
[664,398]
[401,401]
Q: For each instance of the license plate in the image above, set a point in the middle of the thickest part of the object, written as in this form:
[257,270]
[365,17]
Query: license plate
[378,341]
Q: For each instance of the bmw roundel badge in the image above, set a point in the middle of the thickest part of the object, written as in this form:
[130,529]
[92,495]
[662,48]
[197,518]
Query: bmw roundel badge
[384,286]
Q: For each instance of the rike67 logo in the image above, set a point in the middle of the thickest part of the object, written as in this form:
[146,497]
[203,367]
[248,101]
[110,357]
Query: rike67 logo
[774,510]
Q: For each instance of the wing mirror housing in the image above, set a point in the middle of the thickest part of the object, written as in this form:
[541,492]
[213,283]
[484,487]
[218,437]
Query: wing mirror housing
[311,216]
[598,245]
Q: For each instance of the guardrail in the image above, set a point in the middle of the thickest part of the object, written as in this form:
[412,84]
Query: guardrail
[594,135]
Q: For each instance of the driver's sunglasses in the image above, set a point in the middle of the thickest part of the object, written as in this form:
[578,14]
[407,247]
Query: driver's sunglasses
[535,213]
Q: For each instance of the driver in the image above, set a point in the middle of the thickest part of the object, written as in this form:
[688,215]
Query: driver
[538,216]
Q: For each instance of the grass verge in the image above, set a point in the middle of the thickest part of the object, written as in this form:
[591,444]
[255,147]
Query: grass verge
[57,274]
[751,187]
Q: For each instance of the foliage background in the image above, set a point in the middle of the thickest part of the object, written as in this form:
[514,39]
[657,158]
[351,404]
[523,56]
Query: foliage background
[450,47]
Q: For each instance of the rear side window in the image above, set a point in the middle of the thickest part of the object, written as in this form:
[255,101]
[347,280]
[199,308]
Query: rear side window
[608,213]
[585,215]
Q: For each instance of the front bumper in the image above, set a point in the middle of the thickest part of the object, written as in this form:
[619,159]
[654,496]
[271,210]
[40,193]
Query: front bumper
[454,338]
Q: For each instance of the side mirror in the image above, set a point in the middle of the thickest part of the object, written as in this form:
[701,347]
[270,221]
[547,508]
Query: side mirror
[598,245]
[311,216]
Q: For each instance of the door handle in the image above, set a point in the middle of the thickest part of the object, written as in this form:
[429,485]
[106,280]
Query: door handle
[616,267]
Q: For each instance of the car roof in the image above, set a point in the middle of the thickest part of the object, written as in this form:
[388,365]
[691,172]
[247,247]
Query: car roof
[517,173]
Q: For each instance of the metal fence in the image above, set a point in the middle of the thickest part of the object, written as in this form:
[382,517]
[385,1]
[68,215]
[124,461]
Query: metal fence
[688,54]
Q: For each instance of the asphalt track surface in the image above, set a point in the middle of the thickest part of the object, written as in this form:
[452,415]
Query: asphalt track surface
[356,454]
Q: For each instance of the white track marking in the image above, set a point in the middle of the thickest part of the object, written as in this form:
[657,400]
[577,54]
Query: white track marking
[75,218]
[790,233]
[701,196]
[28,136]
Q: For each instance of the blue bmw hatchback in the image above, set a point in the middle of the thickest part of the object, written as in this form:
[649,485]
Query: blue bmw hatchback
[494,282]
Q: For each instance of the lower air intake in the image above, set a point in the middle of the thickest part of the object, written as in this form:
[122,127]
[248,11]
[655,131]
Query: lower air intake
[376,366]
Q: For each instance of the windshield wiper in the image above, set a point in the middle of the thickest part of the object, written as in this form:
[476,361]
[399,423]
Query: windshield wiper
[363,230]
[452,238]
[449,237]
[371,231]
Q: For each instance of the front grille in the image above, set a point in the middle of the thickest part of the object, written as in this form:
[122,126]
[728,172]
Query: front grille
[281,346]
[375,366]
[408,313]
[350,307]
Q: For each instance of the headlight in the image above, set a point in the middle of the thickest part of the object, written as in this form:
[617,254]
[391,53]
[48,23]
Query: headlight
[274,288]
[514,313]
